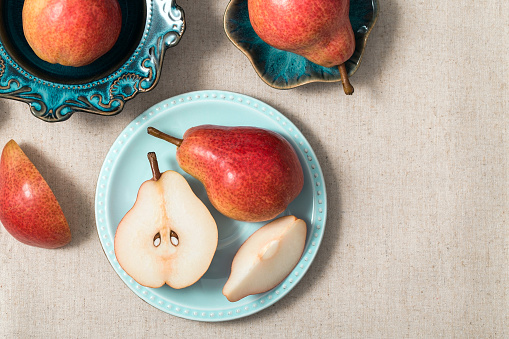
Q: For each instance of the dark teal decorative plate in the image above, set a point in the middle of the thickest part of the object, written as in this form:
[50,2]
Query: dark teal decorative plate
[132,66]
[284,70]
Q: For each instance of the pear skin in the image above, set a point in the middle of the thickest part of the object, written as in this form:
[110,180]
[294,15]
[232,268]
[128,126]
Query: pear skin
[320,31]
[71,32]
[29,210]
[249,173]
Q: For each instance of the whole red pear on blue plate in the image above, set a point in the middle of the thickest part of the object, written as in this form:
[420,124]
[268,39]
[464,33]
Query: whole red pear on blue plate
[320,31]
[29,210]
[71,32]
[250,174]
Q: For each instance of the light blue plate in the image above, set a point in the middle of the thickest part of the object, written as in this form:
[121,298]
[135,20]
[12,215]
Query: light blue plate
[126,167]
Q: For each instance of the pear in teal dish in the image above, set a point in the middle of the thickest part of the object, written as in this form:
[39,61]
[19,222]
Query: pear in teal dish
[284,70]
[132,66]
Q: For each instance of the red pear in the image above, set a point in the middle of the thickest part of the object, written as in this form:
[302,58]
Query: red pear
[28,208]
[71,32]
[320,31]
[249,173]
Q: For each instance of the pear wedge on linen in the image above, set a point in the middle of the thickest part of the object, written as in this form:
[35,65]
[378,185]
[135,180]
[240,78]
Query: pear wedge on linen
[266,258]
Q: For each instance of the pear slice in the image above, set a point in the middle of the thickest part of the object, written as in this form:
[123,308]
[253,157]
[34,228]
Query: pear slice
[29,210]
[168,236]
[266,258]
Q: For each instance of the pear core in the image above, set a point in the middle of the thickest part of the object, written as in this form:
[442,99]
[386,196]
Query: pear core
[269,250]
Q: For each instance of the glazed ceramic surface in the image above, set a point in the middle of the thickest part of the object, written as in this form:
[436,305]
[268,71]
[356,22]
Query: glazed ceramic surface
[132,66]
[284,70]
[126,167]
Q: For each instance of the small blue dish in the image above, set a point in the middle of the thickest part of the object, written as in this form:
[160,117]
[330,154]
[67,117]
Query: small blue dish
[133,65]
[285,70]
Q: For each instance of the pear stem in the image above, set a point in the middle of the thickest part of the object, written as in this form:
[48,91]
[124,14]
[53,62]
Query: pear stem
[347,87]
[161,135]
[156,174]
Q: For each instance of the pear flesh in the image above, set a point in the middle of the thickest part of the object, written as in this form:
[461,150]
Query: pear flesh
[266,258]
[169,235]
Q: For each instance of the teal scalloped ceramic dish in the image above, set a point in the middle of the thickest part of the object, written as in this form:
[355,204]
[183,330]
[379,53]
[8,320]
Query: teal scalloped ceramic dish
[126,167]
[285,70]
[132,66]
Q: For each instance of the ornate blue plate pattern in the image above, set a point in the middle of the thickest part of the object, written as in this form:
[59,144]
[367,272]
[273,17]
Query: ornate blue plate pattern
[285,70]
[132,66]
[126,167]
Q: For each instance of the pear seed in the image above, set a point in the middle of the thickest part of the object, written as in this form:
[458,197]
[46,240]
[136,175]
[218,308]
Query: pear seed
[157,239]
[174,238]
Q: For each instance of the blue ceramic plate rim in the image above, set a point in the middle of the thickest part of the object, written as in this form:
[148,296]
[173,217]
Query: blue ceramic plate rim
[316,222]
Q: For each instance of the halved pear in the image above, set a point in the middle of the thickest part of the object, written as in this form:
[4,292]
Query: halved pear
[267,257]
[168,236]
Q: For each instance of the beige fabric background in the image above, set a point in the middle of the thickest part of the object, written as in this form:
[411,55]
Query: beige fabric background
[416,169]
